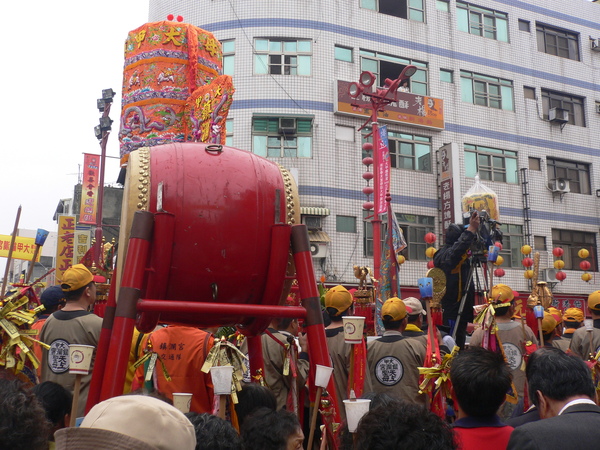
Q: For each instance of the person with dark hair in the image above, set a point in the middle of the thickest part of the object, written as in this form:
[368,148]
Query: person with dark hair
[480,380]
[73,324]
[23,424]
[393,360]
[278,346]
[398,424]
[53,299]
[515,336]
[214,433]
[453,259]
[253,396]
[57,402]
[587,343]
[562,389]
[266,429]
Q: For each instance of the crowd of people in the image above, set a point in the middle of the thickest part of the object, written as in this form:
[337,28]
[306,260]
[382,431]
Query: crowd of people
[514,395]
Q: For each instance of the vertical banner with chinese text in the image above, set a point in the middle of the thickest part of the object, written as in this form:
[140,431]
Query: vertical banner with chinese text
[89,189]
[81,243]
[64,246]
[380,138]
[449,186]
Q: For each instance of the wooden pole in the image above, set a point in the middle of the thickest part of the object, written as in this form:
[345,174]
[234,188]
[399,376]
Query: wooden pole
[30,269]
[313,419]
[222,406]
[75,403]
[10,250]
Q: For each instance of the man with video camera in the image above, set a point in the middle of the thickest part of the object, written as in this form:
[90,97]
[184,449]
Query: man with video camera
[453,259]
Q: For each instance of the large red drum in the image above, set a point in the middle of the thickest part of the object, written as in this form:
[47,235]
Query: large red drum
[223,204]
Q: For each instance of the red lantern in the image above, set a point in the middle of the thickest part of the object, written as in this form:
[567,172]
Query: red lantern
[368,190]
[430,264]
[585,265]
[499,272]
[527,262]
[430,238]
[498,244]
[558,252]
[367,161]
[560,276]
[368,205]
[368,175]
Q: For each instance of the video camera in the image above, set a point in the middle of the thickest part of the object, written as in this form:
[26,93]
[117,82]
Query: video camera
[487,234]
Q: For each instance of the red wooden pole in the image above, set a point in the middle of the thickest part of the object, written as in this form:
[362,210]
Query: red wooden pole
[129,293]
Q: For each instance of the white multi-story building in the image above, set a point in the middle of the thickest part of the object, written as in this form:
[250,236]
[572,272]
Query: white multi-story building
[510,87]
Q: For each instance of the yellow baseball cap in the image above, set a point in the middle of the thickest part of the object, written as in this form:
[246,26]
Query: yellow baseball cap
[394,308]
[556,314]
[338,298]
[501,293]
[594,301]
[78,276]
[548,323]
[573,315]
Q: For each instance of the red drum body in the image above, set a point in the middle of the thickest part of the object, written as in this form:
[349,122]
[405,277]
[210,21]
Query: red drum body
[215,209]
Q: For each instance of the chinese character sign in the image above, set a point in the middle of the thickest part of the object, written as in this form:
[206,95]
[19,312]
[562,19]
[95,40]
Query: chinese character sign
[89,189]
[64,247]
[381,141]
[23,247]
[81,243]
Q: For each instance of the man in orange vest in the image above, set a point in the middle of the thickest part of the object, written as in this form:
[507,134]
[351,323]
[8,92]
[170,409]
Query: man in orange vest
[183,351]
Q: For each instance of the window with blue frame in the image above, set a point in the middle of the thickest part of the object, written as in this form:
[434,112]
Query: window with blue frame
[405,9]
[282,137]
[486,91]
[482,21]
[282,56]
[492,164]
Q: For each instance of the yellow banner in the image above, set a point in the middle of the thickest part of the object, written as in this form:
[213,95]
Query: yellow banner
[64,247]
[23,249]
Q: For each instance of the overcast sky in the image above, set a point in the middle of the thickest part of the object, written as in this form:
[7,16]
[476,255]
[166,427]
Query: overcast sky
[58,56]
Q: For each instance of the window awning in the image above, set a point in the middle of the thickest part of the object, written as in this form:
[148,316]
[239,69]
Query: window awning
[314,211]
[318,236]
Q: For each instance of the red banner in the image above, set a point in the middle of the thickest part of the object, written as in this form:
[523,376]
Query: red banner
[89,189]
[380,139]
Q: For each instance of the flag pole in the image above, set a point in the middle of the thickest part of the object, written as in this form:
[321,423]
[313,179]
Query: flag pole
[10,251]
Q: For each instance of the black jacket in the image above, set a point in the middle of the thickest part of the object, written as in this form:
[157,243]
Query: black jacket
[451,258]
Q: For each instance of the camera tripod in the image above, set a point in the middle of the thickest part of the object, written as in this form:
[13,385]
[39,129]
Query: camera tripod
[477,271]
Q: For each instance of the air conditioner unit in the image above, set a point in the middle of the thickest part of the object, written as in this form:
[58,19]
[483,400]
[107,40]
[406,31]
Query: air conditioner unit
[558,115]
[287,125]
[319,249]
[561,185]
[548,275]
[595,44]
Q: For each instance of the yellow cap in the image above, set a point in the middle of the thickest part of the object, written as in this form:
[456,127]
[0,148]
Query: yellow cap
[338,298]
[393,308]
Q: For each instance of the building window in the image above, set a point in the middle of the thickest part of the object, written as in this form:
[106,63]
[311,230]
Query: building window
[344,133]
[571,103]
[447,76]
[578,174]
[535,164]
[524,25]
[486,91]
[414,229]
[313,223]
[492,164]
[512,241]
[442,5]
[482,22]
[556,41]
[387,66]
[228,56]
[343,53]
[282,137]
[529,92]
[229,132]
[407,151]
[282,56]
[539,243]
[345,224]
[406,9]
[571,242]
